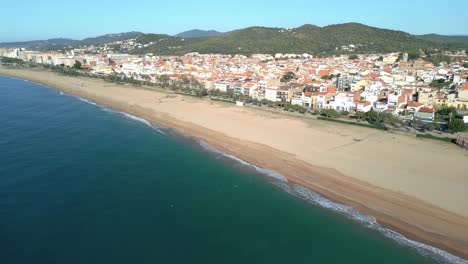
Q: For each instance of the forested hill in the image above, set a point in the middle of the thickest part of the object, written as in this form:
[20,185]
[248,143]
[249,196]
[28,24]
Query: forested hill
[328,40]
[341,38]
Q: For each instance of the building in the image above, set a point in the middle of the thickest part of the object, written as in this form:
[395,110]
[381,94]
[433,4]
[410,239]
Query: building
[425,114]
[65,61]
[343,102]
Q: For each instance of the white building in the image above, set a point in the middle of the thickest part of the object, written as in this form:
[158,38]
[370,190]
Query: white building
[271,94]
[221,86]
[343,102]
[70,62]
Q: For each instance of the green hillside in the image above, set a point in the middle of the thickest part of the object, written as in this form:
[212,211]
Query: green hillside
[304,39]
[445,39]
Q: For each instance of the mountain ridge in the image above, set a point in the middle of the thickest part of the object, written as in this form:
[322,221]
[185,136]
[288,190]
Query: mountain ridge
[196,33]
[331,39]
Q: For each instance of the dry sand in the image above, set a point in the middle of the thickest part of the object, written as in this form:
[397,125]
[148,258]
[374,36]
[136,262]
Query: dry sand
[418,187]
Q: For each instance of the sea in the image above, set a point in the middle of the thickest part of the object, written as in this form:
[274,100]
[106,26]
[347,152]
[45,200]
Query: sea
[81,183]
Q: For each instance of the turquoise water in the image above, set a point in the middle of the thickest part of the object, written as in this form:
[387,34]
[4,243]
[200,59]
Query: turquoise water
[82,184]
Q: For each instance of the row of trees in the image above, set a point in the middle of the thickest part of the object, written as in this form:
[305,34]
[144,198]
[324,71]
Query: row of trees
[373,117]
[8,60]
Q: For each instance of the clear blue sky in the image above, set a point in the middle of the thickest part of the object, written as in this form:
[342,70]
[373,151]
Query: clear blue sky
[42,19]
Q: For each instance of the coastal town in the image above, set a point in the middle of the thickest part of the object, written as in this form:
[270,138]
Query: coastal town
[410,90]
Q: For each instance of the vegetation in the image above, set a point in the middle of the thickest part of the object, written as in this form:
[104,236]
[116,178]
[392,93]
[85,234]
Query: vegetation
[7,60]
[304,39]
[351,123]
[328,77]
[457,125]
[382,118]
[330,113]
[77,65]
[287,77]
[353,57]
[359,115]
[446,139]
[445,39]
[438,59]
[440,83]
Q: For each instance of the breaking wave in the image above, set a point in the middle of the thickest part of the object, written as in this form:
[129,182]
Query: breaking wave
[127,115]
[368,221]
[266,172]
[87,101]
[312,197]
[142,120]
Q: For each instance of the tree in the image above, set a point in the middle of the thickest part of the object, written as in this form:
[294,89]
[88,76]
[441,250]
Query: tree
[440,83]
[373,117]
[353,57]
[432,126]
[77,65]
[465,65]
[417,124]
[359,115]
[287,77]
[390,119]
[330,113]
[327,77]
[457,125]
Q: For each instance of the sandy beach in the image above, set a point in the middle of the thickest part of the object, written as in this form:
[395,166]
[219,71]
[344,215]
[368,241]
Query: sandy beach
[418,187]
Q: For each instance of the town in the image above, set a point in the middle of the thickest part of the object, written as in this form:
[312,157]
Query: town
[402,89]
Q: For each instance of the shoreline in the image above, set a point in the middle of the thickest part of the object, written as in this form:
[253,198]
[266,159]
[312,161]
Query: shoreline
[409,216]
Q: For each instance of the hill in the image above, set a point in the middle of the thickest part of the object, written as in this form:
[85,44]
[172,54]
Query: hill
[197,33]
[328,40]
[108,38]
[444,39]
[39,44]
[60,43]
[333,39]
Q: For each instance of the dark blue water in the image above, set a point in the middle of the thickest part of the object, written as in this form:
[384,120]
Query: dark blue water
[79,184]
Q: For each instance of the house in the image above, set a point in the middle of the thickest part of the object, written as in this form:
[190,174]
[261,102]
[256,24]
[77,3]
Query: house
[414,106]
[222,86]
[427,97]
[343,102]
[399,98]
[323,100]
[363,106]
[425,114]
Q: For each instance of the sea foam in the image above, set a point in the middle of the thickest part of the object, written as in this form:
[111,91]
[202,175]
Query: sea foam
[263,171]
[351,213]
[127,115]
[312,197]
[87,101]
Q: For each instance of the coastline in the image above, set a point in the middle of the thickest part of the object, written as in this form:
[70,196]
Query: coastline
[405,212]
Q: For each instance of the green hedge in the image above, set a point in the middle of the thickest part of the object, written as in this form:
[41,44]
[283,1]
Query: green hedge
[446,139]
[222,100]
[352,123]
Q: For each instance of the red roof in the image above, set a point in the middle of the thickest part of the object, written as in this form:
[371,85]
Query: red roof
[415,104]
[426,110]
[465,86]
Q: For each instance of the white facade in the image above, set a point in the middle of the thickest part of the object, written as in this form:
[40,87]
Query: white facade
[221,87]
[343,102]
[271,94]
[65,61]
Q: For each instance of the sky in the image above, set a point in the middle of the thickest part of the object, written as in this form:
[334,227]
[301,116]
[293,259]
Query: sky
[43,19]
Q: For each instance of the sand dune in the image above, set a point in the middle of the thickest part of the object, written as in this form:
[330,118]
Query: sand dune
[416,186]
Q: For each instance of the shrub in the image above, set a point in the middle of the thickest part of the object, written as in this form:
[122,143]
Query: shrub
[330,113]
